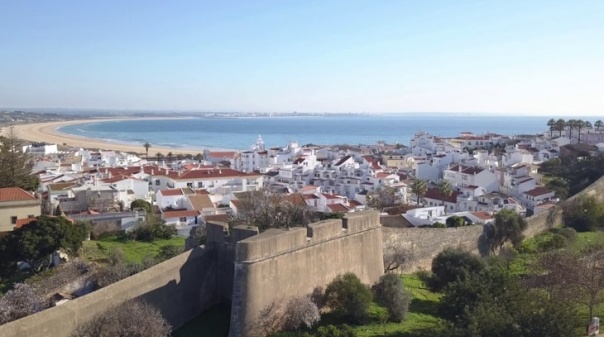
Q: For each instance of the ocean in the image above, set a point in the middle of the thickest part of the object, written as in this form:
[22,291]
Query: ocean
[241,133]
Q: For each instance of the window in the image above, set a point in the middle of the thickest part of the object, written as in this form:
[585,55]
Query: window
[157,182]
[31,216]
[183,219]
[189,184]
[13,220]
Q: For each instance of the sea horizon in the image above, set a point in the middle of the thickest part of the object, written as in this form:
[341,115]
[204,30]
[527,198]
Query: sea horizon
[276,131]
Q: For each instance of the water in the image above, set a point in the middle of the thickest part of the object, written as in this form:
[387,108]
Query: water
[240,133]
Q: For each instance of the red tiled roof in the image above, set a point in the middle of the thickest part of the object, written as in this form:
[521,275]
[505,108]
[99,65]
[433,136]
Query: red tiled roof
[482,215]
[217,217]
[171,192]
[15,194]
[179,214]
[434,193]
[331,196]
[214,173]
[222,154]
[338,208]
[537,191]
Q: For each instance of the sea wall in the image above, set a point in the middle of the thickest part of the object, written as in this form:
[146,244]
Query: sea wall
[280,264]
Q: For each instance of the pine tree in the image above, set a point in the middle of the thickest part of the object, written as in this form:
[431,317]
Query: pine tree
[15,165]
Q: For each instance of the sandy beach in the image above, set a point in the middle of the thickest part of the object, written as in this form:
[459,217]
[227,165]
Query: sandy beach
[47,132]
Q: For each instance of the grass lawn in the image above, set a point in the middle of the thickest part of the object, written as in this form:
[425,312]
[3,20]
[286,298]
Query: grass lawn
[134,251]
[422,319]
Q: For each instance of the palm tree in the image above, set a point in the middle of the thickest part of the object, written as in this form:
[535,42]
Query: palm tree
[598,124]
[159,156]
[560,124]
[552,126]
[445,189]
[419,188]
[579,124]
[147,146]
[170,157]
[570,124]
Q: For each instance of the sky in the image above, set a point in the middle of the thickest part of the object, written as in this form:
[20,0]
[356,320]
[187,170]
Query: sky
[523,57]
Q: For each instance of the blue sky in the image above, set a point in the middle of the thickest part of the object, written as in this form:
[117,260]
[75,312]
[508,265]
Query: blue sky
[537,57]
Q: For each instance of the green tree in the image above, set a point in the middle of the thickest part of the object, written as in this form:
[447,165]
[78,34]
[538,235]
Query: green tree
[348,296]
[453,264]
[583,214]
[139,203]
[446,190]
[389,293]
[552,126]
[151,229]
[15,165]
[579,124]
[560,125]
[598,125]
[570,125]
[147,146]
[170,157]
[159,156]
[559,186]
[419,188]
[455,221]
[508,227]
[35,242]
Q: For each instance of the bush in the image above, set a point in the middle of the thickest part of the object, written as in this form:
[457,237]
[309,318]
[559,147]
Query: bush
[139,203]
[389,293]
[451,265]
[19,302]
[151,230]
[347,295]
[133,319]
[557,241]
[301,312]
[168,252]
[102,230]
[335,331]
[569,233]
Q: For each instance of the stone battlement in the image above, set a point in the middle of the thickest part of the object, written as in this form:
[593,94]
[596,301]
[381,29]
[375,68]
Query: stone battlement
[275,241]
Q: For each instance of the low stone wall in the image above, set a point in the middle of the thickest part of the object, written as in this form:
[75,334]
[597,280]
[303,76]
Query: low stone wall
[279,264]
[423,244]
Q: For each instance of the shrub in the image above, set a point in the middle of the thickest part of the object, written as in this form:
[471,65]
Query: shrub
[347,295]
[451,265]
[569,233]
[557,241]
[133,319]
[335,331]
[19,302]
[301,312]
[389,293]
[168,252]
[101,230]
[150,230]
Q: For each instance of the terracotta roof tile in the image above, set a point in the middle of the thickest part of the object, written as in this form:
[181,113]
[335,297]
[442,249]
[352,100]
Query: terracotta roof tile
[15,194]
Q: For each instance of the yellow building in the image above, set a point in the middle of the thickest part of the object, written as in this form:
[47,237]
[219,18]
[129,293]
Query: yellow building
[16,203]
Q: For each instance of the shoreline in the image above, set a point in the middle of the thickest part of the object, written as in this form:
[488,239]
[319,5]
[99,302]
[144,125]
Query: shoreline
[47,132]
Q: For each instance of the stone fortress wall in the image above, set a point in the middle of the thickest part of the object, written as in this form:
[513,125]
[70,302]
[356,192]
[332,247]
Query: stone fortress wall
[423,244]
[251,270]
